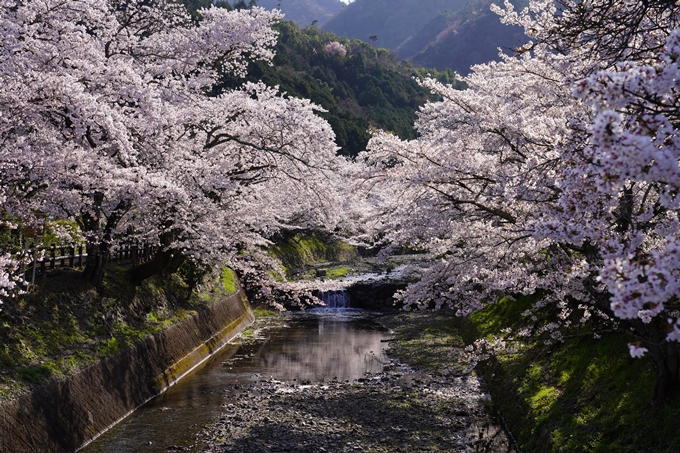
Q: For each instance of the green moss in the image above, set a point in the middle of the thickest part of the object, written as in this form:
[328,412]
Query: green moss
[584,395]
[504,313]
[302,250]
[228,279]
[39,373]
[338,272]
[263,312]
[116,284]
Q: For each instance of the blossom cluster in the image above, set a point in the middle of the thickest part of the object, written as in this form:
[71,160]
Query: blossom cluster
[112,116]
[553,177]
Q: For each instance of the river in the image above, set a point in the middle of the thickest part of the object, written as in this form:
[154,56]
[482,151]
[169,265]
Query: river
[314,347]
[326,366]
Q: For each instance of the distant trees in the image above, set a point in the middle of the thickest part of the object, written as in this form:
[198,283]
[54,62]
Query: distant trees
[105,120]
[554,175]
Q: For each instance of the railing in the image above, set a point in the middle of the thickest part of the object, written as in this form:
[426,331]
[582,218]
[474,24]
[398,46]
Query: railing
[69,257]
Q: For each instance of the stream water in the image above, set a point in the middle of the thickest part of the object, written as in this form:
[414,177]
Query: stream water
[327,344]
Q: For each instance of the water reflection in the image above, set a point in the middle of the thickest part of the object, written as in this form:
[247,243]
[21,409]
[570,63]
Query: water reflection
[339,348]
[311,347]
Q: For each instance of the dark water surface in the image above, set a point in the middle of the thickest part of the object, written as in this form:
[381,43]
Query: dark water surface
[315,347]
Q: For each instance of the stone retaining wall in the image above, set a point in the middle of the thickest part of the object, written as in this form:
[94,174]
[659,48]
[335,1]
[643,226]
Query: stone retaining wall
[64,415]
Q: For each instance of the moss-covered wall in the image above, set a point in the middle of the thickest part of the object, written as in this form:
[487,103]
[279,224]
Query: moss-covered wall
[66,414]
[303,250]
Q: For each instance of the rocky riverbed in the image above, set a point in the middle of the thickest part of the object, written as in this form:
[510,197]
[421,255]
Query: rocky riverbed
[402,409]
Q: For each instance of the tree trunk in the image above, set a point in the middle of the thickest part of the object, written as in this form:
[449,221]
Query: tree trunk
[99,251]
[160,261]
[666,360]
[665,357]
[98,255]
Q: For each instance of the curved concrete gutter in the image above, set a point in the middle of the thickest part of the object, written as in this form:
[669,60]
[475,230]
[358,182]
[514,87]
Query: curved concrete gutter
[67,414]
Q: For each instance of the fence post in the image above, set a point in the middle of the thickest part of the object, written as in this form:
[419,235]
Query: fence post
[35,257]
[80,256]
[72,257]
[63,258]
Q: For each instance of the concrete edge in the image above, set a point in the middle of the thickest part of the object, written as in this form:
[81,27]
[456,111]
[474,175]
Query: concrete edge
[68,414]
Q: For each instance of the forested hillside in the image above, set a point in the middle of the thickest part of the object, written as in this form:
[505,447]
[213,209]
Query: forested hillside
[460,39]
[359,86]
[442,34]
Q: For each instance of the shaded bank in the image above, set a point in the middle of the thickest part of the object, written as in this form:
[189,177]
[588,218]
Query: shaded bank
[65,414]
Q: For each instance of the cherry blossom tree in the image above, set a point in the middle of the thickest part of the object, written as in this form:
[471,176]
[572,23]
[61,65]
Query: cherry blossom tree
[475,185]
[554,175]
[10,268]
[623,67]
[336,48]
[108,119]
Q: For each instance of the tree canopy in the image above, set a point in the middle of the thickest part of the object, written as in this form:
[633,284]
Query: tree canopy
[110,117]
[554,175]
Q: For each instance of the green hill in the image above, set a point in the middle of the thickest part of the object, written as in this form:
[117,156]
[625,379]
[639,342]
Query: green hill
[364,88]
[360,87]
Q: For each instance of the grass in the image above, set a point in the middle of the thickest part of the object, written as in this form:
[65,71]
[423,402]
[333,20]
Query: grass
[584,395]
[39,373]
[228,279]
[63,324]
[247,333]
[338,272]
[581,396]
[261,312]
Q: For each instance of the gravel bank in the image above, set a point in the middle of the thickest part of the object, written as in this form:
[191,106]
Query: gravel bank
[402,409]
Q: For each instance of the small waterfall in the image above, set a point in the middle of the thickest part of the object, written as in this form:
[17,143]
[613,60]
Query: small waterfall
[335,299]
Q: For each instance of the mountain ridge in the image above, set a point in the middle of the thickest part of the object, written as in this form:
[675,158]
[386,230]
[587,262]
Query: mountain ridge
[391,22]
[456,34]
[304,12]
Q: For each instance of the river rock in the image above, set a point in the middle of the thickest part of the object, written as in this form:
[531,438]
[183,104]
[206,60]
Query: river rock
[401,410]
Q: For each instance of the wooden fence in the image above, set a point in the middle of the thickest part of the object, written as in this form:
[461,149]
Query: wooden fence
[68,257]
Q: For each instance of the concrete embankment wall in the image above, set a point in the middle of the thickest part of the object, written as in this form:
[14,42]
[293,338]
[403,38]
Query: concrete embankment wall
[66,414]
